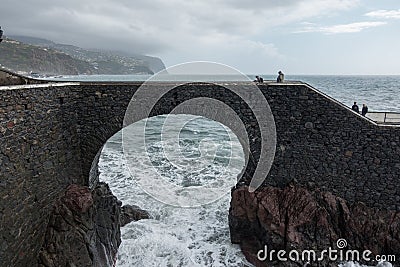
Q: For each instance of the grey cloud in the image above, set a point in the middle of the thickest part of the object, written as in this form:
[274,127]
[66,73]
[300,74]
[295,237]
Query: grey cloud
[266,4]
[96,24]
[195,28]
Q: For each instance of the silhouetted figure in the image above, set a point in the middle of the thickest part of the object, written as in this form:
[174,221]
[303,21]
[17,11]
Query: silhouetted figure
[261,79]
[1,34]
[355,107]
[257,79]
[364,110]
[281,77]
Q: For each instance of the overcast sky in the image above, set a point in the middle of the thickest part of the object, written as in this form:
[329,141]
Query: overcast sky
[296,36]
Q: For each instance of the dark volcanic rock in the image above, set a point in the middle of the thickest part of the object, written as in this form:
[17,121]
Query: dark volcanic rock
[131,213]
[296,218]
[83,229]
[78,198]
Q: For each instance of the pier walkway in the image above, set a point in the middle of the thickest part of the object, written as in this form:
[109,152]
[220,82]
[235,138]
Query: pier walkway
[385,118]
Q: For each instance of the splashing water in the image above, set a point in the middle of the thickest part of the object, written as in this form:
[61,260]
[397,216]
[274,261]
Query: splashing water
[176,236]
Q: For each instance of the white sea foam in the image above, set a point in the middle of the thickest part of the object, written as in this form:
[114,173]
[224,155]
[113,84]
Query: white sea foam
[174,236]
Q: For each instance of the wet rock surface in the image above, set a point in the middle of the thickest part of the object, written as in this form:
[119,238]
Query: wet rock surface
[83,229]
[294,218]
[131,213]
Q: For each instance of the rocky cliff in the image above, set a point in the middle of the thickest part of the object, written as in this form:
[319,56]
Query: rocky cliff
[294,218]
[84,228]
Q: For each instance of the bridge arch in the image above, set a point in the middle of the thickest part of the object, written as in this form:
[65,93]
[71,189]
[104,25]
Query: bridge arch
[212,101]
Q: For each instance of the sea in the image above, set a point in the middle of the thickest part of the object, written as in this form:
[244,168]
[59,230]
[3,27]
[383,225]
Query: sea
[203,153]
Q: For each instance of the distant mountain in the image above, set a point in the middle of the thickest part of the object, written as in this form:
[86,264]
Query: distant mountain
[23,53]
[25,58]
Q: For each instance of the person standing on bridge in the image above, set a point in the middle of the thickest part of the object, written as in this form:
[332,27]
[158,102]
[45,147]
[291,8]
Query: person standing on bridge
[364,110]
[259,79]
[281,77]
[1,34]
[355,108]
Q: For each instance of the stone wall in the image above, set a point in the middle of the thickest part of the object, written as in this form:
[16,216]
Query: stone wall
[39,157]
[324,145]
[49,136]
[101,109]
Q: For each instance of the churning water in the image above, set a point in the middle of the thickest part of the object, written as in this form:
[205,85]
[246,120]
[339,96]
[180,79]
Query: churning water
[197,236]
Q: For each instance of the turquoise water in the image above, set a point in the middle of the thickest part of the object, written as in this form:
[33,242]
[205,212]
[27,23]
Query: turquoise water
[199,156]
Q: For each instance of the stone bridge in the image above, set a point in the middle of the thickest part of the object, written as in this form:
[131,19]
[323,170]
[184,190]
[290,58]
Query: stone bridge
[51,133]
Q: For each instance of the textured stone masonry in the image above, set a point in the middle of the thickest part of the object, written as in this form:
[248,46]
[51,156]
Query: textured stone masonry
[49,137]
[324,145]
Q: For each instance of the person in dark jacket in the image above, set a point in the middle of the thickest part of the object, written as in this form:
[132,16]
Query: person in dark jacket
[355,107]
[364,110]
[281,77]
[259,79]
